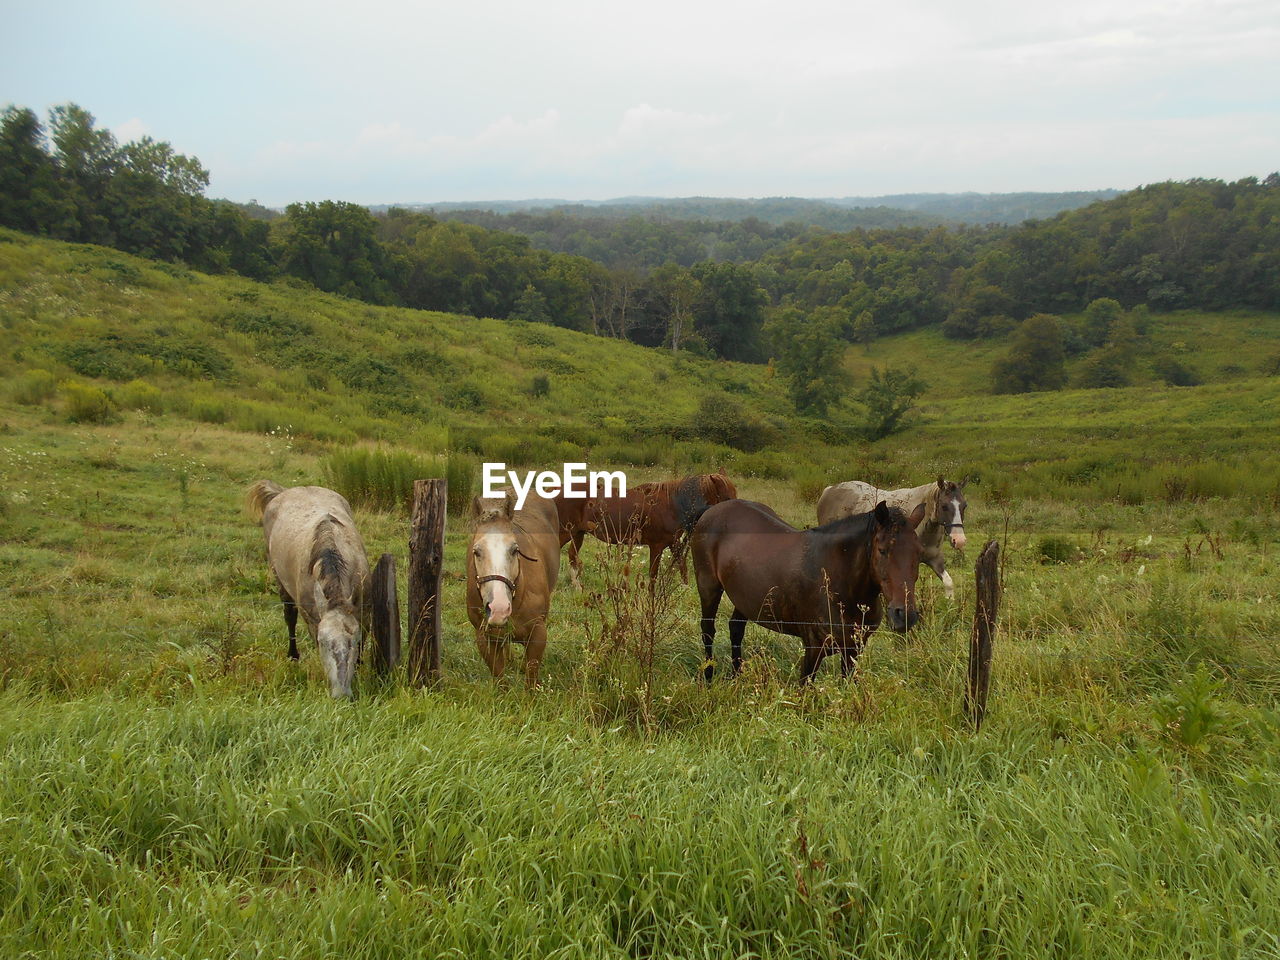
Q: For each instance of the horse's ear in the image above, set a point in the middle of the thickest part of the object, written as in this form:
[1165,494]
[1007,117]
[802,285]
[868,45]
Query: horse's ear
[917,516]
[942,483]
[508,508]
[475,507]
[882,513]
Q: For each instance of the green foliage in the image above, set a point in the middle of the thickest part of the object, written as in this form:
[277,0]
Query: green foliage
[810,356]
[888,397]
[462,473]
[541,386]
[1051,549]
[810,482]
[1035,359]
[1191,712]
[85,403]
[34,387]
[1099,317]
[1175,373]
[531,306]
[376,478]
[722,419]
[140,395]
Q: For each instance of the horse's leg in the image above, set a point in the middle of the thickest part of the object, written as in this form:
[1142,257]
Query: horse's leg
[814,651]
[493,654]
[290,621]
[737,627]
[938,565]
[533,651]
[709,593]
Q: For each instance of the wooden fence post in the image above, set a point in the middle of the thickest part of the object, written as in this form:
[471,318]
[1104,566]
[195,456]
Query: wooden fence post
[386,616]
[426,565]
[986,610]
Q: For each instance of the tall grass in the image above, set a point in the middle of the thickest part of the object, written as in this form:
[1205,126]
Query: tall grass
[376,478]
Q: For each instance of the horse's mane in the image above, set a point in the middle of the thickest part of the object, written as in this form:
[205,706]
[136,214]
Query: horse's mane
[334,569]
[862,523]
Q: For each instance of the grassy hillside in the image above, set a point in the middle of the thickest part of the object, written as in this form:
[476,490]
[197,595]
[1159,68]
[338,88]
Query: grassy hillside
[174,787]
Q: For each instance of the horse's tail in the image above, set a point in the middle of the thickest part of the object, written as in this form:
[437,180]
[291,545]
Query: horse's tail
[259,495]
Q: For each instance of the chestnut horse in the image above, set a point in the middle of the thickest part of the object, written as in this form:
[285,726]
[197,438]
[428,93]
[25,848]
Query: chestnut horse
[513,562]
[821,585]
[656,515]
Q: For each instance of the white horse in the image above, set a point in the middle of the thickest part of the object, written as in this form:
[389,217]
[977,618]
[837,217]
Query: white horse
[944,514]
[319,562]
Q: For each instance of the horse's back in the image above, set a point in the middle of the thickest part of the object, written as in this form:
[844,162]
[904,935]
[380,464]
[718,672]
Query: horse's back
[846,500]
[291,522]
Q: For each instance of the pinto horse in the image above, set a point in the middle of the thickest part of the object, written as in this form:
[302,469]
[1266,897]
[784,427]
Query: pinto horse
[656,515]
[822,585]
[513,562]
[944,504]
[319,563]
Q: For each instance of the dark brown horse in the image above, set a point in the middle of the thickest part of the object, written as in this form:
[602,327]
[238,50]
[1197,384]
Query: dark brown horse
[656,515]
[822,585]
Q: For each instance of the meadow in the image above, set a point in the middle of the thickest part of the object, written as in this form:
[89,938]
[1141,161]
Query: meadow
[173,787]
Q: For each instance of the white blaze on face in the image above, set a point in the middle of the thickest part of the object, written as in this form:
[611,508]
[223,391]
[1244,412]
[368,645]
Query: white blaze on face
[957,533]
[495,555]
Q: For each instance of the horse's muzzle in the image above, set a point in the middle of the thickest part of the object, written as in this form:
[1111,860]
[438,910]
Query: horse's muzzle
[901,619]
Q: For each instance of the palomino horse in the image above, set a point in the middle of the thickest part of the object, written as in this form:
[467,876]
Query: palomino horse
[944,505]
[657,515]
[319,562]
[821,585]
[513,562]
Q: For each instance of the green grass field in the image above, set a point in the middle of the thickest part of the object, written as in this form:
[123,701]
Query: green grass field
[172,786]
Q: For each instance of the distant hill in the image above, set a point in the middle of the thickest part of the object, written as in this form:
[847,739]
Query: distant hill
[843,213]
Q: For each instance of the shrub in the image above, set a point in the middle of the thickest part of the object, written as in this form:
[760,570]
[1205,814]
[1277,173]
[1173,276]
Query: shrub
[34,387]
[1056,550]
[1175,373]
[140,395]
[810,482]
[722,419]
[87,403]
[377,478]
[541,386]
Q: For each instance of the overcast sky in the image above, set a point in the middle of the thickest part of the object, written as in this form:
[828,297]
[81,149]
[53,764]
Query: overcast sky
[377,102]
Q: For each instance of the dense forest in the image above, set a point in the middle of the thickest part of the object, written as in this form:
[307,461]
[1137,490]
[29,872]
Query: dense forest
[744,290]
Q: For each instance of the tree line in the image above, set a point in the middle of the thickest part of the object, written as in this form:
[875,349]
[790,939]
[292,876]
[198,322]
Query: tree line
[745,291]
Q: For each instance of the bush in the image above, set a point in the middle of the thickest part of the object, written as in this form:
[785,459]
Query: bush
[140,395]
[810,482]
[1056,550]
[34,387]
[1174,373]
[379,479]
[87,403]
[721,419]
[541,386]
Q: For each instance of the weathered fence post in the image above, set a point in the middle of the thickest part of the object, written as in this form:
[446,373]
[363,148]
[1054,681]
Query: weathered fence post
[426,564]
[986,610]
[386,616]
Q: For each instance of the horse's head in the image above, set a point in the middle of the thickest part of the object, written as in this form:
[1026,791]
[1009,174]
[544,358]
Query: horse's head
[494,558]
[338,639]
[895,562]
[949,510]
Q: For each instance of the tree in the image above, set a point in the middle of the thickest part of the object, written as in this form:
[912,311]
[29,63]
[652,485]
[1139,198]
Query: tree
[810,355]
[678,290]
[31,197]
[1099,317]
[864,330]
[531,306]
[333,245]
[1035,360]
[889,396]
[729,310]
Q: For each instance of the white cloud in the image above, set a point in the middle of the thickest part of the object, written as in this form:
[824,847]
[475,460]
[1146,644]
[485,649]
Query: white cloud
[131,129]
